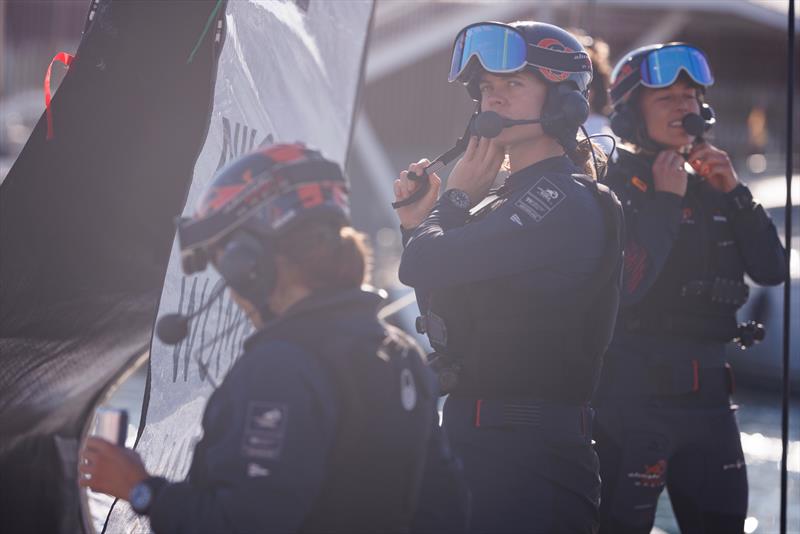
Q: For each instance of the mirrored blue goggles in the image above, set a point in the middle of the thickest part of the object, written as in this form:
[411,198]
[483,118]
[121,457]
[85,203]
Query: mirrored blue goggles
[663,66]
[500,49]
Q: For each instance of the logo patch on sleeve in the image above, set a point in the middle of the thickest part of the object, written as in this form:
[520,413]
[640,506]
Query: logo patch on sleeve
[265,430]
[540,200]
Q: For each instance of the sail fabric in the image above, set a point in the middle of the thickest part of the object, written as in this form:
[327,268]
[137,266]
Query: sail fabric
[289,71]
[86,230]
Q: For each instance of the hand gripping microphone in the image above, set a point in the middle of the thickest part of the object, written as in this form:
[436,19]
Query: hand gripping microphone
[485,124]
[173,328]
[698,124]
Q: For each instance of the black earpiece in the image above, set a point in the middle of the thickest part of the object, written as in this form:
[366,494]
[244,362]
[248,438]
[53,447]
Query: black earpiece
[248,266]
[565,110]
[623,123]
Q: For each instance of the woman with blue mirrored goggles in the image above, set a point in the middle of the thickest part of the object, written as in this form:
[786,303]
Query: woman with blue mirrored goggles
[490,272]
[664,413]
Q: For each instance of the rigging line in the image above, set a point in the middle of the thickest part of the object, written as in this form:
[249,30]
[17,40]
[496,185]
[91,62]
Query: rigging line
[787,293]
[205,31]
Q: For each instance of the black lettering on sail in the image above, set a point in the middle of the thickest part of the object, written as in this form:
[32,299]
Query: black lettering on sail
[176,350]
[208,343]
[241,142]
[190,351]
[223,328]
[186,344]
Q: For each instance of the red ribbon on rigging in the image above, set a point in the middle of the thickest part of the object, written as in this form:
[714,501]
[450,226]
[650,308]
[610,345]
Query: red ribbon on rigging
[66,59]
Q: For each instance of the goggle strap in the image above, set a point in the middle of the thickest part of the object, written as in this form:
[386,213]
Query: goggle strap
[558,60]
[625,86]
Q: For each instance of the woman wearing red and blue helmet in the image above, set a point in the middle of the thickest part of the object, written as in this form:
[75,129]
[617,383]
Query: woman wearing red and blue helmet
[322,423]
[519,289]
[664,413]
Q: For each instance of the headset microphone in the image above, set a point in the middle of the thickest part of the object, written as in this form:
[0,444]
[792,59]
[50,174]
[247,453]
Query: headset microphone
[694,124]
[489,124]
[486,124]
[173,328]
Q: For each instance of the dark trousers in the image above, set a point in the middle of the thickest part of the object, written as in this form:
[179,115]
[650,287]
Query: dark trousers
[524,478]
[689,444]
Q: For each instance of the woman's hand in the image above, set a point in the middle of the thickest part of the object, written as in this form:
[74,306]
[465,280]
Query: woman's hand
[412,215]
[714,165]
[668,173]
[477,170]
[110,469]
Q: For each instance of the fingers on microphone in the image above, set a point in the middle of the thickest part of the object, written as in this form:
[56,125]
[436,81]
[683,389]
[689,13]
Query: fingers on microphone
[471,146]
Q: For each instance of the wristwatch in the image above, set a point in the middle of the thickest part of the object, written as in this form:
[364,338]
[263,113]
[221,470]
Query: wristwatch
[144,493]
[458,198]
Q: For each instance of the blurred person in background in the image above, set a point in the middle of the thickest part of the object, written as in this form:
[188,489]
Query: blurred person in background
[600,108]
[323,423]
[519,289]
[664,416]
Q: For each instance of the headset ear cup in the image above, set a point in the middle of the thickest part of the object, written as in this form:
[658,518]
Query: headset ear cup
[551,111]
[248,267]
[565,109]
[623,123]
[574,107]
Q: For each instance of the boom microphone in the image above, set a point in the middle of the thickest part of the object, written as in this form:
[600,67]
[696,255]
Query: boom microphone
[694,124]
[173,328]
[485,124]
[489,124]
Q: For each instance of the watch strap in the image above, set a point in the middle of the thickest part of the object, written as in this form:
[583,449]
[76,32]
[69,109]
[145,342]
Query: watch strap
[155,485]
[457,198]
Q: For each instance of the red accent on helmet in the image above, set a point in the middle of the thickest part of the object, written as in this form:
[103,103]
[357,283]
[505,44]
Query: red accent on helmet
[268,192]
[286,153]
[218,197]
[553,44]
[310,195]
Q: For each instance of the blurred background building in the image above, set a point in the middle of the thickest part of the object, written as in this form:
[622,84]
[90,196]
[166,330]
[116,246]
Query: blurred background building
[409,111]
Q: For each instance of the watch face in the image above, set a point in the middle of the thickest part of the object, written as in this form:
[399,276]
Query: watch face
[459,198]
[141,495]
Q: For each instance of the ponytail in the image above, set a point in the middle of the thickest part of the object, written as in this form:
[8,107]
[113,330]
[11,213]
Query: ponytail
[582,157]
[328,256]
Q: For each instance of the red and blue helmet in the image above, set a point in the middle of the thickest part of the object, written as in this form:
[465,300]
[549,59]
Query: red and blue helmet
[266,193]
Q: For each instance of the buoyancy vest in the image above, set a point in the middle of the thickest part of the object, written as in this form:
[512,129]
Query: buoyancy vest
[386,404]
[701,285]
[510,343]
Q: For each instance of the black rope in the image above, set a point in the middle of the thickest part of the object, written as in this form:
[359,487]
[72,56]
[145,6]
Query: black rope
[787,293]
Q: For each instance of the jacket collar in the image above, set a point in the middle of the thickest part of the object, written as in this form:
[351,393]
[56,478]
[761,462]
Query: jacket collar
[366,298]
[555,165]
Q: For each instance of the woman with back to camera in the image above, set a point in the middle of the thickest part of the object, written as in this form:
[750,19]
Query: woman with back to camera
[323,424]
[519,289]
[664,411]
